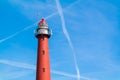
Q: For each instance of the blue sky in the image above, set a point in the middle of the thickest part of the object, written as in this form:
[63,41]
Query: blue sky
[86,34]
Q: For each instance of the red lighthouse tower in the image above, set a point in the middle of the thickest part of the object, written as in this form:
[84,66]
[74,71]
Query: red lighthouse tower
[43,63]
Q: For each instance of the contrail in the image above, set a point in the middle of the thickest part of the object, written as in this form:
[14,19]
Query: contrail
[72,4]
[64,74]
[2,40]
[17,64]
[27,66]
[30,26]
[26,28]
[60,11]
[32,67]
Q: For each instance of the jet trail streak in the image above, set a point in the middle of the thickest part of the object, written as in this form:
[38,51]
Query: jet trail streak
[11,36]
[32,67]
[60,11]
[30,26]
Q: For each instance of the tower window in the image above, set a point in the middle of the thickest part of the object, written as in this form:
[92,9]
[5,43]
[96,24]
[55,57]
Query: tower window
[43,52]
[43,69]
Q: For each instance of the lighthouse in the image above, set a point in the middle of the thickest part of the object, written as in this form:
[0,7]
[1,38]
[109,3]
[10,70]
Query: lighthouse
[43,33]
